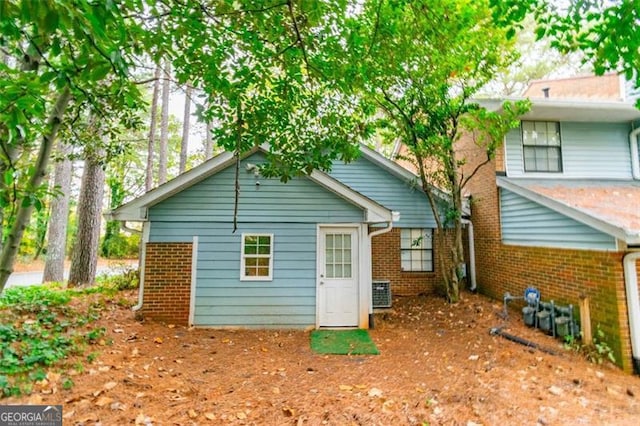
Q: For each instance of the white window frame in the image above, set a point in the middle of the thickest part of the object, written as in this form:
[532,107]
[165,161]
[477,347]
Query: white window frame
[421,249]
[537,146]
[243,257]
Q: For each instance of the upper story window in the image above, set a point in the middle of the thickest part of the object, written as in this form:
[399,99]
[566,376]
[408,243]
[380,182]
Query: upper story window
[541,146]
[257,257]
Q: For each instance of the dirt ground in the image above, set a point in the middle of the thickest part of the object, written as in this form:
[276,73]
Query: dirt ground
[438,366]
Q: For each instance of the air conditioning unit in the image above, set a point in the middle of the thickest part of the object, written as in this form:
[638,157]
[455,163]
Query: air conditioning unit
[381,294]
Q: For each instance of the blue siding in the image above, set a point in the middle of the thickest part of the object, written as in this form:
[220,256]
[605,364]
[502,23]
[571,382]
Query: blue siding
[589,150]
[288,300]
[298,201]
[387,189]
[290,211]
[524,222]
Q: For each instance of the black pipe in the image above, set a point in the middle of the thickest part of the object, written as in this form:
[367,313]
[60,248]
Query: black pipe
[496,331]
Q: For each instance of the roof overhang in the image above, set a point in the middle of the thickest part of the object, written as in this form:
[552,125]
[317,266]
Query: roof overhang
[577,110]
[136,210]
[628,236]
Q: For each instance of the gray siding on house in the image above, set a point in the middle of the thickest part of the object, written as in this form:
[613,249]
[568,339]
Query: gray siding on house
[387,189]
[289,211]
[524,222]
[589,150]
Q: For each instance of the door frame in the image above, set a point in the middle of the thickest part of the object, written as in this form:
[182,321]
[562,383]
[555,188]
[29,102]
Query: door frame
[364,269]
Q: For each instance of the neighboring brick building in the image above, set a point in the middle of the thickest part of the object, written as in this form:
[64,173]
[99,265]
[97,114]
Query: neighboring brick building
[559,209]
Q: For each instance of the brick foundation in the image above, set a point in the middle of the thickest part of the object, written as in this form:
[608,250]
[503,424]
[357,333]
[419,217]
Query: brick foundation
[562,275]
[167,282]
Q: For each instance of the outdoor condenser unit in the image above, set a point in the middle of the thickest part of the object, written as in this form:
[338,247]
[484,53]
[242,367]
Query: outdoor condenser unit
[381,294]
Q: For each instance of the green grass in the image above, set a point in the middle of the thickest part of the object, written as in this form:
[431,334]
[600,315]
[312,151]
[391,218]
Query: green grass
[343,342]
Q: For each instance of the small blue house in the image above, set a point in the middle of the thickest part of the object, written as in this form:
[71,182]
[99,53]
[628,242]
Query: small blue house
[302,252]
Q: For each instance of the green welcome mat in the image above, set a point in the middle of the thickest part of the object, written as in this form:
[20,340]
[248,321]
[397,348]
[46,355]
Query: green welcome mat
[343,342]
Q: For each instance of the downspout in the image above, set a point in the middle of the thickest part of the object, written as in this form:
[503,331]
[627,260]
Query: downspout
[143,255]
[635,159]
[633,305]
[395,216]
[472,254]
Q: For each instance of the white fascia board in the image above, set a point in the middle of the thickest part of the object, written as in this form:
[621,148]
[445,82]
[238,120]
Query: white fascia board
[581,110]
[566,210]
[375,213]
[136,209]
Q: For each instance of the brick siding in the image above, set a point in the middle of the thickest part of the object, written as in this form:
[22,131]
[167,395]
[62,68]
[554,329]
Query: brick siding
[167,282]
[562,275]
[385,259]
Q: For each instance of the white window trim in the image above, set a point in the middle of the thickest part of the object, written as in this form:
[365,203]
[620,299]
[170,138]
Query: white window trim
[432,250]
[244,277]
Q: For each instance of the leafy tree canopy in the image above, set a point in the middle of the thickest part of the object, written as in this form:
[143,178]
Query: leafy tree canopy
[607,32]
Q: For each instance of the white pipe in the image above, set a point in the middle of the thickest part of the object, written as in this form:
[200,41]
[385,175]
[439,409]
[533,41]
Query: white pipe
[633,304]
[635,159]
[395,216]
[472,254]
[141,264]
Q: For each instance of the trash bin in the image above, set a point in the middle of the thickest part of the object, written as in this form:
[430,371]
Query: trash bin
[528,315]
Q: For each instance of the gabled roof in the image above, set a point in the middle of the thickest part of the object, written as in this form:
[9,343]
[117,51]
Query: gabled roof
[610,206]
[136,209]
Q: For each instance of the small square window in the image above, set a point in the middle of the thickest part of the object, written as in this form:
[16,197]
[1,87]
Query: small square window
[257,257]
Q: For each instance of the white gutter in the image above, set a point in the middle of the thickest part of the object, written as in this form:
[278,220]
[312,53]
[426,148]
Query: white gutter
[141,265]
[395,216]
[633,305]
[635,159]
[472,254]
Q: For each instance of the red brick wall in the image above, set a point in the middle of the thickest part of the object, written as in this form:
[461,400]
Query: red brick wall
[560,275]
[385,258]
[167,282]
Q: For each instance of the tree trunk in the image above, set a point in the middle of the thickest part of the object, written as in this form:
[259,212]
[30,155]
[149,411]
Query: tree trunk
[10,248]
[184,146]
[84,259]
[57,238]
[152,129]
[164,126]
[208,142]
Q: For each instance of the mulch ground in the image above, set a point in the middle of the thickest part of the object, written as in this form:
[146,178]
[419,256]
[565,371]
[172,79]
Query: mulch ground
[438,365]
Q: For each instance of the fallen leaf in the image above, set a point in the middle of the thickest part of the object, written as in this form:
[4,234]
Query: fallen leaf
[210,416]
[103,400]
[241,415]
[158,340]
[118,406]
[346,387]
[375,393]
[171,326]
[192,414]
[118,330]
[110,385]
[289,412]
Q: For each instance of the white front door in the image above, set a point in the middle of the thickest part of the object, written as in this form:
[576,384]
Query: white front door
[338,277]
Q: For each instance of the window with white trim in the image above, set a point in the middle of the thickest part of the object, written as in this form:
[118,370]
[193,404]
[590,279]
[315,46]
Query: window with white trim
[541,146]
[257,257]
[416,250]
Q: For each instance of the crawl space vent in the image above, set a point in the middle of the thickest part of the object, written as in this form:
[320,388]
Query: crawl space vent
[381,292]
